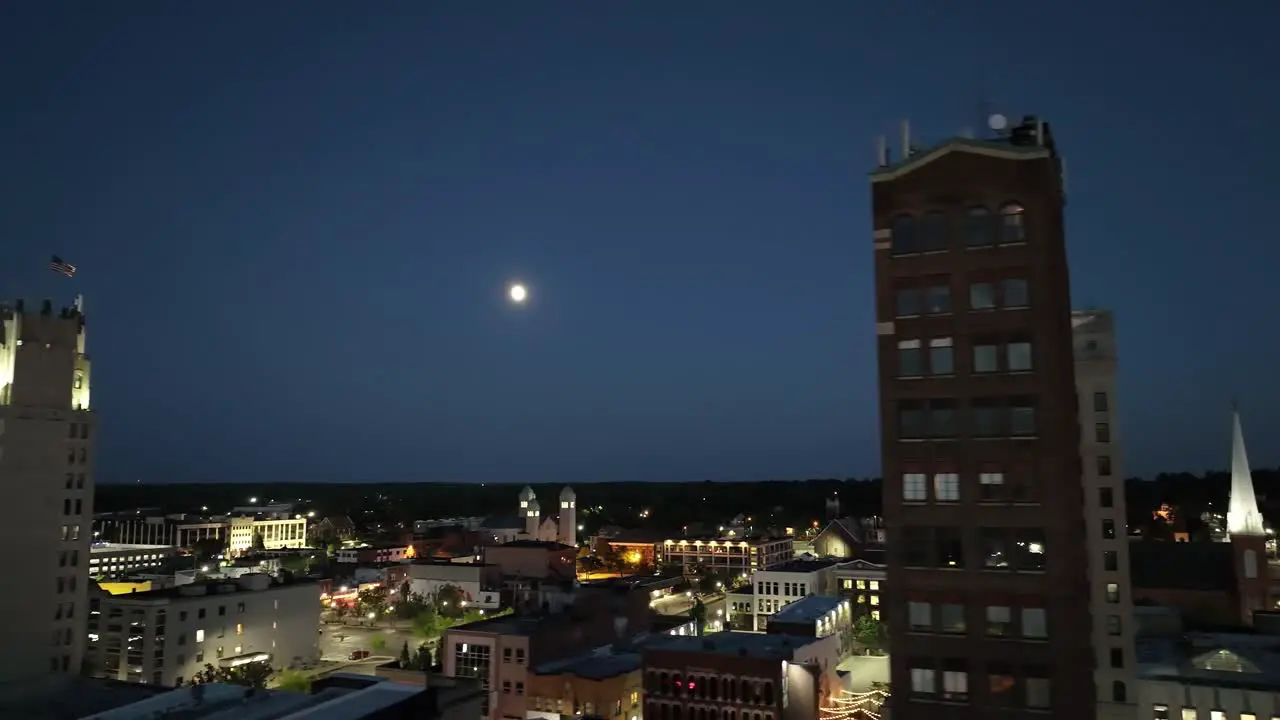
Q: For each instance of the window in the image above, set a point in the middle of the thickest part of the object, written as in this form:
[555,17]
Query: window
[979,230]
[915,487]
[1015,293]
[1104,466]
[200,636]
[905,239]
[933,232]
[239,628]
[1037,692]
[1113,593]
[1105,497]
[1029,549]
[942,418]
[951,618]
[1160,712]
[986,418]
[915,546]
[995,549]
[937,300]
[910,359]
[999,621]
[1012,226]
[911,420]
[1100,402]
[920,615]
[986,357]
[1018,356]
[1189,713]
[982,296]
[941,359]
[991,486]
[1110,560]
[1113,624]
[1102,432]
[1117,657]
[1108,529]
[955,684]
[948,547]
[923,681]
[946,487]
[908,302]
[1034,623]
[1022,417]
[1002,684]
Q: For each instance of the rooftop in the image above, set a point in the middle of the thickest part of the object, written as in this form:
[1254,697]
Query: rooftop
[803,566]
[596,665]
[759,647]
[71,698]
[808,609]
[247,583]
[1221,659]
[545,544]
[103,547]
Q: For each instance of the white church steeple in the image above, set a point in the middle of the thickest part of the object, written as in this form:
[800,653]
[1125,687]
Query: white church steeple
[1243,517]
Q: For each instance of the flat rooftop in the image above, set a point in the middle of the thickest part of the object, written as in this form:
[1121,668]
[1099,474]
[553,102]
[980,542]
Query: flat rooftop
[593,665]
[752,645]
[73,698]
[808,610]
[803,566]
[505,625]
[117,547]
[216,588]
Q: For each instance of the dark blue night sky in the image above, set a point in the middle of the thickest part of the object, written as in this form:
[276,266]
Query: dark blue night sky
[295,221]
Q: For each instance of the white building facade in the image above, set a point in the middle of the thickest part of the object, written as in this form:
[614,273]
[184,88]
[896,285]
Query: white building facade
[276,533]
[163,636]
[46,477]
[112,560]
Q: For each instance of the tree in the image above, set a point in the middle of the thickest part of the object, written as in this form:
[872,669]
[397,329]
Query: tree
[372,600]
[699,613]
[422,660]
[293,681]
[378,643]
[450,601]
[869,632]
[428,623]
[296,564]
[258,542]
[405,658]
[207,548]
[254,675]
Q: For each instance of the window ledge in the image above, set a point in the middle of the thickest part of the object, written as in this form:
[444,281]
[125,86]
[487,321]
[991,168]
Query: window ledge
[1015,243]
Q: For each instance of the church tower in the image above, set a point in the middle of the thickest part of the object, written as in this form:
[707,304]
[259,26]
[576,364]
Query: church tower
[530,511]
[1245,530]
[568,517]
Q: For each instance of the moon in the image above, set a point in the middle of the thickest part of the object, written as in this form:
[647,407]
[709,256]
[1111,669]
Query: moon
[518,293]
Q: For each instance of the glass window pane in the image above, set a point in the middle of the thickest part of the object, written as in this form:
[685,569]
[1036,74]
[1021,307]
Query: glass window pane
[1012,226]
[908,302]
[1015,293]
[982,296]
[1019,356]
[1022,417]
[938,300]
[905,237]
[979,229]
[941,360]
[910,361]
[933,232]
[986,358]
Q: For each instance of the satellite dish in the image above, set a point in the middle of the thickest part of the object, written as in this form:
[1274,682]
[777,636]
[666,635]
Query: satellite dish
[997,122]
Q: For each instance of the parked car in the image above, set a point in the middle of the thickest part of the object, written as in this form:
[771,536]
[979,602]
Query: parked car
[358,655]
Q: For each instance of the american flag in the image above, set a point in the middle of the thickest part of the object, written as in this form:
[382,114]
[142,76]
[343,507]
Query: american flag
[59,265]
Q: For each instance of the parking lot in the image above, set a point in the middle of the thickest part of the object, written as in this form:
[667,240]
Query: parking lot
[337,641]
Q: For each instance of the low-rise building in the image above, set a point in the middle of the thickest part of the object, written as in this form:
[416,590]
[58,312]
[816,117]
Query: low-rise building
[534,559]
[116,560]
[775,588]
[860,581]
[374,554]
[479,582]
[269,532]
[163,636]
[727,557]
[733,674]
[817,616]
[605,684]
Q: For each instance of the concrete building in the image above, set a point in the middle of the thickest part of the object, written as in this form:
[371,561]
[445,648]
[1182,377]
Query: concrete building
[276,533]
[1106,536]
[163,636]
[604,683]
[112,560]
[736,557]
[816,616]
[151,527]
[987,592]
[781,585]
[479,582]
[46,476]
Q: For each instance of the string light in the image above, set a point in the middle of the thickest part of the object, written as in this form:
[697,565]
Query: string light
[855,706]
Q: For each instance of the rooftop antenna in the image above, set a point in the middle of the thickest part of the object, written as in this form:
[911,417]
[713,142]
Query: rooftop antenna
[80,304]
[882,151]
[906,139]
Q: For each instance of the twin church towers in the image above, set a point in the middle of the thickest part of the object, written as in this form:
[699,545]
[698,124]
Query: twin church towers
[562,529]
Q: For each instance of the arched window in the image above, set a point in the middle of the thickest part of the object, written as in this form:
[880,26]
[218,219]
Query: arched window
[933,232]
[979,231]
[1118,692]
[1013,224]
[905,238]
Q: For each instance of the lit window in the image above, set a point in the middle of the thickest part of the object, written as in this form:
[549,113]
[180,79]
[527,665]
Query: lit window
[955,685]
[923,681]
[1190,713]
[914,487]
[1037,692]
[239,629]
[999,621]
[1034,623]
[982,296]
[946,487]
[199,636]
[991,486]
[1113,593]
[1018,356]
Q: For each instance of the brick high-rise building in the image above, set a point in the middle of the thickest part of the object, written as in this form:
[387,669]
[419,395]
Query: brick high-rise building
[987,593]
